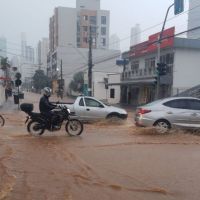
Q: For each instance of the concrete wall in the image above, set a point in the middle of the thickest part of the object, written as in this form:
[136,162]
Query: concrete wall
[114,78]
[193,19]
[186,69]
[67,26]
[75,60]
[99,90]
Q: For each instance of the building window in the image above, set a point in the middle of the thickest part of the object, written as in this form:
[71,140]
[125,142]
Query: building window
[93,20]
[150,63]
[85,28]
[103,41]
[103,30]
[85,40]
[112,93]
[94,30]
[103,19]
[134,65]
[85,17]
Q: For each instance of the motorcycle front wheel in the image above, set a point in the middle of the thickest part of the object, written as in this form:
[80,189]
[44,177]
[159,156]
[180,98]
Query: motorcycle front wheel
[74,127]
[35,128]
[2,121]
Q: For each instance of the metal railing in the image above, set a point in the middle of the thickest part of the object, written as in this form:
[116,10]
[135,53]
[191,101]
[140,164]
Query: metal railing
[140,73]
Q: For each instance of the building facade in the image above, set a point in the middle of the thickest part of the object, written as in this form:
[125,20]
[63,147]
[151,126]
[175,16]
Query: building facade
[139,79]
[194,19]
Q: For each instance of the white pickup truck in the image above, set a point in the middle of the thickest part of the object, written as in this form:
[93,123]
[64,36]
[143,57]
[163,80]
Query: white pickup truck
[89,108]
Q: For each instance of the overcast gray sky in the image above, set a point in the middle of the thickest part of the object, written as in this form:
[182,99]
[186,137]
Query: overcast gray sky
[32,17]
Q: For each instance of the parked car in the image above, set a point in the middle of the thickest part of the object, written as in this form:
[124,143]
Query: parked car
[89,108]
[164,114]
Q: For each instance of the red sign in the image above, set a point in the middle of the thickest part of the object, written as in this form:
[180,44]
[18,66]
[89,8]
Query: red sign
[168,42]
[139,49]
[4,78]
[151,45]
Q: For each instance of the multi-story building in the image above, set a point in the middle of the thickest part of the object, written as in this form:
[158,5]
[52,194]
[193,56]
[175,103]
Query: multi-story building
[69,31]
[135,35]
[73,25]
[42,52]
[27,66]
[194,19]
[3,47]
[139,79]
[114,42]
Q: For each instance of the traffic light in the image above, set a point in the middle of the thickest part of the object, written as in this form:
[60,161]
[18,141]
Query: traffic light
[178,6]
[161,69]
[18,82]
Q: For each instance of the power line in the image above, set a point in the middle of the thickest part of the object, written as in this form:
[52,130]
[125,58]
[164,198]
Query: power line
[164,38]
[156,25]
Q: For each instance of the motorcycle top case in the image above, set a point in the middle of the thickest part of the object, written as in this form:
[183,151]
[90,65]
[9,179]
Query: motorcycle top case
[26,107]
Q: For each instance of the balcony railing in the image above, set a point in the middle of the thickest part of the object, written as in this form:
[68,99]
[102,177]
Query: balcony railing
[137,74]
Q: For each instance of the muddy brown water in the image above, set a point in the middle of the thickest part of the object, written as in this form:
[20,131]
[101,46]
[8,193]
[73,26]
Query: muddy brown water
[108,161]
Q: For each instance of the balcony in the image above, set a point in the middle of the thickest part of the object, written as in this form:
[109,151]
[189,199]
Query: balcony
[139,74]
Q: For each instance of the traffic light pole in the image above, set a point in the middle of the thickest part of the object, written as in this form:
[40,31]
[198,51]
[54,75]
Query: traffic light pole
[157,94]
[90,64]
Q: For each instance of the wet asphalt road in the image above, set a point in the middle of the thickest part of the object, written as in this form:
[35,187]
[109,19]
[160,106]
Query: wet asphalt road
[108,161]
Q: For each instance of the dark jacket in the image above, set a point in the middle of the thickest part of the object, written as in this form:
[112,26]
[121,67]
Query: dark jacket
[45,106]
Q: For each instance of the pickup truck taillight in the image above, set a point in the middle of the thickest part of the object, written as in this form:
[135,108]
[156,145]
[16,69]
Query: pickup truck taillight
[143,111]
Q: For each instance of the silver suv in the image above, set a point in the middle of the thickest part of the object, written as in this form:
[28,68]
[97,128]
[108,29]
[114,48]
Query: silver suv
[171,112]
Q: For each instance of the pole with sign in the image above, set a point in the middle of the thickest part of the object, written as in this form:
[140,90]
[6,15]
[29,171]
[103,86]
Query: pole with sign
[178,6]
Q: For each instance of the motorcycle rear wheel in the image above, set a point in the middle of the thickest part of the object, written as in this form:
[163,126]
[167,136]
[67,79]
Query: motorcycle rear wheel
[74,127]
[2,121]
[34,128]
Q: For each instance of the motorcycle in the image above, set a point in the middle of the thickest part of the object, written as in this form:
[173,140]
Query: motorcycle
[37,123]
[2,121]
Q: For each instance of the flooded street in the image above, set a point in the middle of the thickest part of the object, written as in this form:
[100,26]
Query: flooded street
[106,162]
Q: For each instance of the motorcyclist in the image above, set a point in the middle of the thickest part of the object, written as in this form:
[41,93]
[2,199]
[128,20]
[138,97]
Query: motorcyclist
[45,106]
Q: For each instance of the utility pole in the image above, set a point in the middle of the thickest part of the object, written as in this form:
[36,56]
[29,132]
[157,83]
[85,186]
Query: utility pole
[157,94]
[90,64]
[61,81]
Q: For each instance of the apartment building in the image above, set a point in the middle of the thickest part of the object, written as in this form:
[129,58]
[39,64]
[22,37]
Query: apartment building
[42,52]
[69,31]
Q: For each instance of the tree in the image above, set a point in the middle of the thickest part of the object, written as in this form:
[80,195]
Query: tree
[40,80]
[77,84]
[4,64]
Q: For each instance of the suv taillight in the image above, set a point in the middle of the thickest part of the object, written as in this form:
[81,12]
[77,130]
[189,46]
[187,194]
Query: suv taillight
[143,111]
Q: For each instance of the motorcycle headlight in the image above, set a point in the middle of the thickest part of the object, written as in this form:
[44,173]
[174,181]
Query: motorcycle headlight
[68,110]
